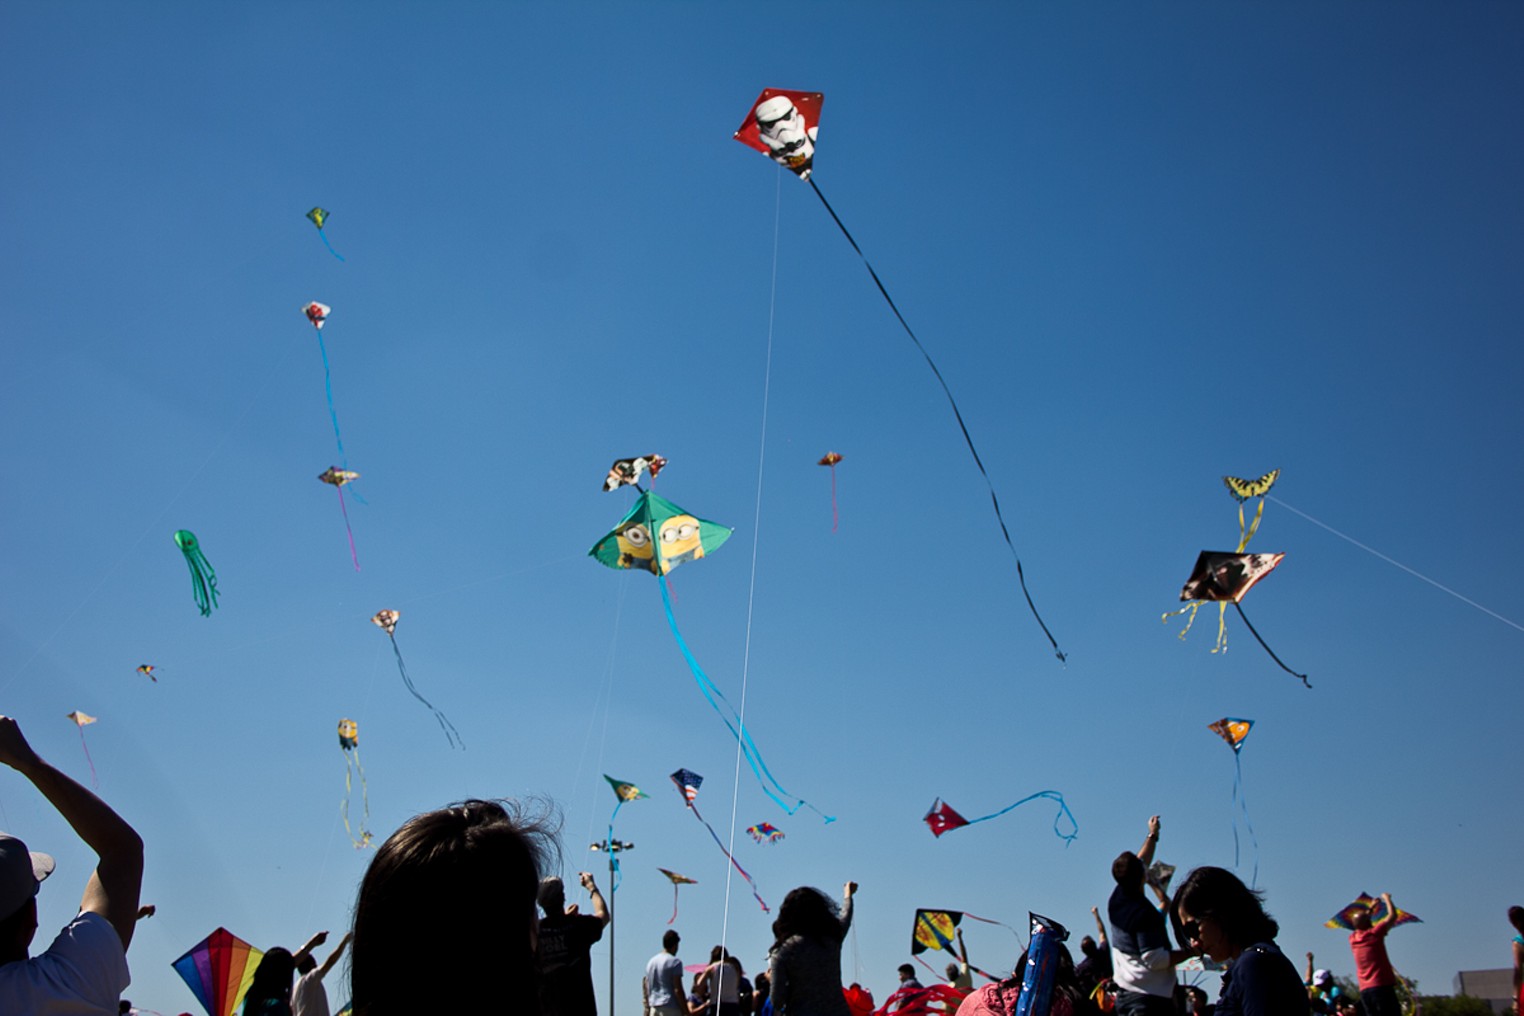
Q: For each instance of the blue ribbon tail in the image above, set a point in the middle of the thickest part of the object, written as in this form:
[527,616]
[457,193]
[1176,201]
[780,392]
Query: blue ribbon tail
[770,785]
[329,245]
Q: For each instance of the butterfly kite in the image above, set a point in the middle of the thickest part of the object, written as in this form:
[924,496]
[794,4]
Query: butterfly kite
[688,782]
[783,125]
[203,577]
[677,880]
[1376,906]
[1221,577]
[765,832]
[349,743]
[657,536]
[944,818]
[830,459]
[83,720]
[218,970]
[1233,731]
[338,477]
[147,669]
[319,216]
[387,620]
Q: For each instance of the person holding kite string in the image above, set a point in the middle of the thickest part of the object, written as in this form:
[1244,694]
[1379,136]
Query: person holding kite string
[804,964]
[1143,962]
[1373,969]
[565,942]
[85,969]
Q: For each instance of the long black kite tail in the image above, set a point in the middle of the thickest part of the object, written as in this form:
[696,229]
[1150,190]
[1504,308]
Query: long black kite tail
[1267,649]
[967,438]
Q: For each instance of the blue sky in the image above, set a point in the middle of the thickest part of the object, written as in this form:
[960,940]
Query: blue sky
[1147,245]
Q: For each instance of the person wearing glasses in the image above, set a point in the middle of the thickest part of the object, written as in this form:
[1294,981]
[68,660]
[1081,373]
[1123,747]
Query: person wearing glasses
[1217,915]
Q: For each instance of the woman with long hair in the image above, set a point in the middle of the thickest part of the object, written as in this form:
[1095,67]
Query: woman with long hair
[1214,913]
[448,904]
[269,991]
[804,965]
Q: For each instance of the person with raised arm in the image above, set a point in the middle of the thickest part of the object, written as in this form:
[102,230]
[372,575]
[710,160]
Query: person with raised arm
[84,971]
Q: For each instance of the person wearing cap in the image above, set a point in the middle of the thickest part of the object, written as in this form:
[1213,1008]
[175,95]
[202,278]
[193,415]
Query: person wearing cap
[662,986]
[1322,992]
[566,940]
[84,971]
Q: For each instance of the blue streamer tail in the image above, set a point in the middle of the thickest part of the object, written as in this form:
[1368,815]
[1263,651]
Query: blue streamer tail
[1063,813]
[770,785]
[329,245]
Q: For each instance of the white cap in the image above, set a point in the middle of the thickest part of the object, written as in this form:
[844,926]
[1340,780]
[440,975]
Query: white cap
[21,872]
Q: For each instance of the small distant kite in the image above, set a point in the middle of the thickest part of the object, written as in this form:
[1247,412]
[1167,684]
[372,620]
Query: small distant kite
[147,669]
[83,720]
[349,743]
[386,620]
[943,818]
[830,459]
[765,832]
[203,577]
[218,970]
[1345,918]
[627,472]
[688,782]
[319,216]
[338,477]
[657,536]
[1233,731]
[677,880]
[625,791]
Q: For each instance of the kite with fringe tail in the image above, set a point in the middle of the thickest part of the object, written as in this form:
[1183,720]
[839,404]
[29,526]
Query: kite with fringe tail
[688,782]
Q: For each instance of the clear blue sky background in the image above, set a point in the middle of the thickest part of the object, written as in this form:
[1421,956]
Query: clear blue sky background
[1148,244]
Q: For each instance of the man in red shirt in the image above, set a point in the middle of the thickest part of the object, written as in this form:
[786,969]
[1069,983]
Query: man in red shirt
[1378,981]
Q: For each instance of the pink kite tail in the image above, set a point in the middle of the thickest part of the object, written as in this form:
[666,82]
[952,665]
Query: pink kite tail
[674,904]
[352,555]
[94,781]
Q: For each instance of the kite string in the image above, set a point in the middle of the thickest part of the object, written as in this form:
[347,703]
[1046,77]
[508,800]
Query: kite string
[1395,563]
[957,414]
[756,530]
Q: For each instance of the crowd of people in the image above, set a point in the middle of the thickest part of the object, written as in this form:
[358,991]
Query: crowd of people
[466,889]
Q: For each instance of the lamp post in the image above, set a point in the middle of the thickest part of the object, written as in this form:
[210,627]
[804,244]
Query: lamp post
[613,848]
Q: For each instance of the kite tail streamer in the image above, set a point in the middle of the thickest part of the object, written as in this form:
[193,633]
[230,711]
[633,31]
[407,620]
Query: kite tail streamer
[1245,535]
[351,766]
[608,845]
[94,782]
[330,246]
[1241,807]
[770,785]
[1063,813]
[733,862]
[967,438]
[451,734]
[673,918]
[333,414]
[1277,659]
[1190,609]
[351,533]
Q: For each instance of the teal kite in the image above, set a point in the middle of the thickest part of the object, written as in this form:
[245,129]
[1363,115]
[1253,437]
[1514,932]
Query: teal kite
[203,577]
